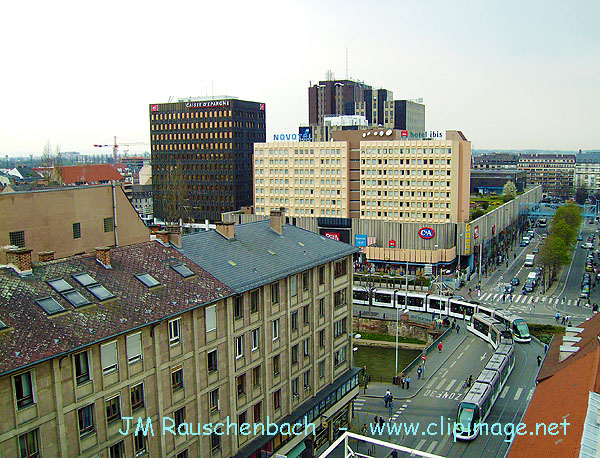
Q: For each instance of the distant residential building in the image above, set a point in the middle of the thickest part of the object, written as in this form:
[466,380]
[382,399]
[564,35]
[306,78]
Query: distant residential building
[495,161]
[486,181]
[587,174]
[86,175]
[554,172]
[141,199]
[135,163]
[145,175]
[68,220]
[206,144]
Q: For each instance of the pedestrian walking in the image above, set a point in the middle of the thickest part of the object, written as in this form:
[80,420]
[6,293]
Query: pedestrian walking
[364,429]
[408,382]
[402,381]
[394,454]
[386,398]
[419,372]
[457,328]
[563,320]
[539,360]
[440,346]
[510,296]
[557,317]
[381,421]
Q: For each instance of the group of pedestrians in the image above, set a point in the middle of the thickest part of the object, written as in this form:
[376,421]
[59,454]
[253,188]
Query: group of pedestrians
[566,320]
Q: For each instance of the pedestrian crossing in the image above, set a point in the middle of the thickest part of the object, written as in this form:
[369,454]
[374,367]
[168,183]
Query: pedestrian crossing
[523,299]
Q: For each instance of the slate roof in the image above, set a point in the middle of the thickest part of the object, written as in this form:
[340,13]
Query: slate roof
[92,174]
[34,336]
[294,251]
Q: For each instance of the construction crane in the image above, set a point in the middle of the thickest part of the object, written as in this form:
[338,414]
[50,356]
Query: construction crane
[115,147]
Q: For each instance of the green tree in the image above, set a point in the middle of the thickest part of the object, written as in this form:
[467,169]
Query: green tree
[570,213]
[581,195]
[565,232]
[554,254]
[509,191]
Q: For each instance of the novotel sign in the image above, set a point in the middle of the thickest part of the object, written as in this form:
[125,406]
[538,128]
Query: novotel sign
[207,104]
[426,233]
[292,138]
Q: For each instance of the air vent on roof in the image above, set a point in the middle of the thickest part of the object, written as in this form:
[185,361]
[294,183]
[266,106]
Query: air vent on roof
[271,252]
[182,270]
[148,280]
[49,305]
[232,263]
[300,243]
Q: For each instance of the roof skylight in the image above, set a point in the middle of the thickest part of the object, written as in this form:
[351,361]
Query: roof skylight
[49,305]
[100,292]
[148,280]
[59,285]
[75,298]
[182,270]
[84,279]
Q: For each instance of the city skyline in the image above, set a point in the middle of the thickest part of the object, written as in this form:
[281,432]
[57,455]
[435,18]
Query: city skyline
[509,76]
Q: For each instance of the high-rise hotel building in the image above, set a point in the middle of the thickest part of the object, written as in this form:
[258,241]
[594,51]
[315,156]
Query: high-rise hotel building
[373,174]
[202,155]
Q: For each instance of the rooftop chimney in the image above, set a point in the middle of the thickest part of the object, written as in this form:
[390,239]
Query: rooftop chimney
[163,236]
[46,256]
[227,230]
[277,220]
[103,256]
[20,258]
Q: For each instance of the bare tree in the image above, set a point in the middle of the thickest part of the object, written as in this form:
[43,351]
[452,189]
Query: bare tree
[176,194]
[367,284]
[47,160]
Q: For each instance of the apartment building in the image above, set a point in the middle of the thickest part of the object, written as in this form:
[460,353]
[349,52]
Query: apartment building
[587,174]
[372,174]
[495,161]
[553,171]
[91,343]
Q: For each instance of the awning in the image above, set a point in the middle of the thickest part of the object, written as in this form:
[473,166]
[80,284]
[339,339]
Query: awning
[296,451]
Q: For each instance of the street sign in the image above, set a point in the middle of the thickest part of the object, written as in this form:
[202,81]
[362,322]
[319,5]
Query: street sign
[423,357]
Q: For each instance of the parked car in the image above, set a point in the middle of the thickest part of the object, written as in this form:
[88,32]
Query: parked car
[524,243]
[587,246]
[536,250]
[515,281]
[579,238]
[508,289]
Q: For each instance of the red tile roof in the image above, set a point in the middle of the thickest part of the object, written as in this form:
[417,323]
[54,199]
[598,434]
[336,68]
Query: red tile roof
[89,174]
[34,336]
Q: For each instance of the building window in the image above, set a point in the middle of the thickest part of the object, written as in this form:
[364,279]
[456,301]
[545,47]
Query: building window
[29,444]
[17,239]
[275,293]
[294,318]
[306,314]
[294,354]
[108,224]
[85,416]
[306,380]
[215,440]
[255,336]
[306,347]
[213,400]
[174,331]
[177,378]
[339,269]
[134,348]
[76,230]
[211,357]
[305,281]
[295,387]
[256,376]
[82,367]
[321,369]
[322,307]
[254,301]
[179,417]
[113,409]
[275,365]
[257,412]
[322,338]
[139,443]
[239,347]
[339,328]
[211,318]
[321,275]
[339,298]
[293,286]
[277,399]
[117,450]
[241,384]
[109,357]
[238,307]
[137,397]
[339,357]
[276,329]
[242,418]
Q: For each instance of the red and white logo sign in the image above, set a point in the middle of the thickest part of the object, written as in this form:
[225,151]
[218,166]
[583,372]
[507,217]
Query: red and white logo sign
[262,106]
[404,133]
[423,357]
[392,243]
[476,232]
[154,107]
[426,233]
[333,235]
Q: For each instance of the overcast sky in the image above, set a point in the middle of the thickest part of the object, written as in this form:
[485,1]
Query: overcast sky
[510,74]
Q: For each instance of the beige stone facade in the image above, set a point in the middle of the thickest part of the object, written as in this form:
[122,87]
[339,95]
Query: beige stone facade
[366,174]
[260,354]
[69,220]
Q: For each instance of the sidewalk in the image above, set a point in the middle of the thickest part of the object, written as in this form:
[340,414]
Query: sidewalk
[433,363]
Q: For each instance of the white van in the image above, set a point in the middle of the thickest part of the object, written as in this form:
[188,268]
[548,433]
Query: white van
[529,259]
[533,276]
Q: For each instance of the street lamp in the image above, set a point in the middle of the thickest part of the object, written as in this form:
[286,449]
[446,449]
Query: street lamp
[459,249]
[396,305]
[436,267]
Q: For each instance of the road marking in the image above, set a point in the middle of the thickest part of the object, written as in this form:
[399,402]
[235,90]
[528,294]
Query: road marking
[432,446]
[518,394]
[400,409]
[419,445]
[485,296]
[537,299]
[458,357]
[530,394]
[432,381]
[495,296]
[409,400]
[467,347]
[504,391]
[450,385]
[442,383]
